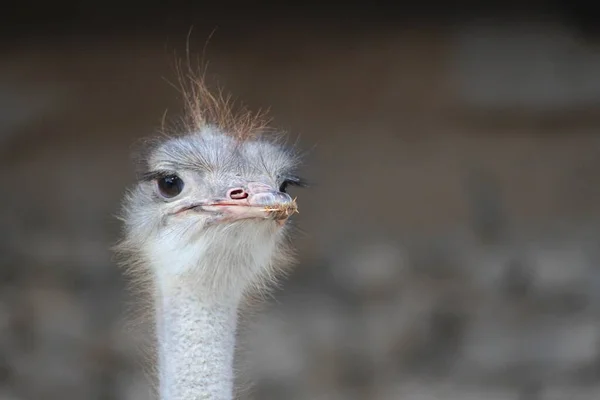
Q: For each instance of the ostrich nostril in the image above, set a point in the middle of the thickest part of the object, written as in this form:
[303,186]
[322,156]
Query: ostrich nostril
[237,194]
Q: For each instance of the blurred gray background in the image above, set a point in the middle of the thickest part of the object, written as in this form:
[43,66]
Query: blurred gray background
[448,246]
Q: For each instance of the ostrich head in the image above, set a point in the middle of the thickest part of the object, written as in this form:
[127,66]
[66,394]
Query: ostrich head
[211,206]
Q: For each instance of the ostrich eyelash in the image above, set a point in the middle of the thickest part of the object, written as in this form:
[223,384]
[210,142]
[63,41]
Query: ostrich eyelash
[294,180]
[155,175]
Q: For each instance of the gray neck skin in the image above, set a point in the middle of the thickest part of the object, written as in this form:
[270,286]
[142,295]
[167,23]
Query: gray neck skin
[196,342]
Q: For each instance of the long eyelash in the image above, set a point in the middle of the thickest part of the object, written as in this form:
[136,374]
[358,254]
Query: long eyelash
[294,180]
[154,175]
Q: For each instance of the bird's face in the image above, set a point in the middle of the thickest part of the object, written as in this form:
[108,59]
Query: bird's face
[209,179]
[208,196]
[220,198]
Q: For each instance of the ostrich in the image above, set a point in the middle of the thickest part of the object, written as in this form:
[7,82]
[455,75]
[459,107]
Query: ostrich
[205,228]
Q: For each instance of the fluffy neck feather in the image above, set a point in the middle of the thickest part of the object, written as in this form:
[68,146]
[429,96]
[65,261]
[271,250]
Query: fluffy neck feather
[196,343]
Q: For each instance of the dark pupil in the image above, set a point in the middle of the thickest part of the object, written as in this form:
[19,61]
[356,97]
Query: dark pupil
[170,186]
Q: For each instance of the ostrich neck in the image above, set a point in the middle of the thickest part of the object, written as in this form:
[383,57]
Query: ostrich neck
[196,341]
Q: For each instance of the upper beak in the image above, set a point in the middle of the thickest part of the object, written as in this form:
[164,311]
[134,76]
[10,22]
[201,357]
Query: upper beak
[257,201]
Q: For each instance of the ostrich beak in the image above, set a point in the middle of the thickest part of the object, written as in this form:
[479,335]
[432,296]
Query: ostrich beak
[275,205]
[258,201]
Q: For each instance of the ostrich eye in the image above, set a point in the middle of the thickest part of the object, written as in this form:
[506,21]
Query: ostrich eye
[283,186]
[293,180]
[170,186]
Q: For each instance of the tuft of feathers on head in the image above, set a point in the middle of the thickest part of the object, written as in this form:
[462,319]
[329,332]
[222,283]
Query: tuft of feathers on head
[204,107]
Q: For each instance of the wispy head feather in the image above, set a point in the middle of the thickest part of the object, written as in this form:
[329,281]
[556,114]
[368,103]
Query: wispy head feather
[204,107]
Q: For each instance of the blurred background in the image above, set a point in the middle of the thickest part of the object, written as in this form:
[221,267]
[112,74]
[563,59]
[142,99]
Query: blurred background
[449,246]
